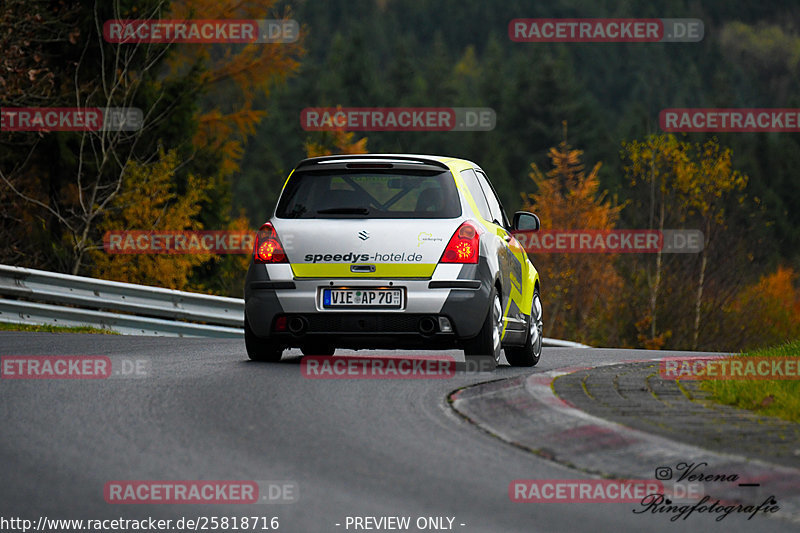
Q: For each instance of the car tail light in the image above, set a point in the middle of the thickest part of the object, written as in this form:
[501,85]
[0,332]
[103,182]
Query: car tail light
[464,245]
[268,248]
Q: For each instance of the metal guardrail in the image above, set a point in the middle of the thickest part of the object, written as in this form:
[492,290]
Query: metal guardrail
[64,300]
[40,297]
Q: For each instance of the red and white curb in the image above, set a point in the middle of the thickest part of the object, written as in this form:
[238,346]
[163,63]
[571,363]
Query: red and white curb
[527,413]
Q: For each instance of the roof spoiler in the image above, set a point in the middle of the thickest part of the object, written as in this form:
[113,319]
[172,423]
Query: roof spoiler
[359,161]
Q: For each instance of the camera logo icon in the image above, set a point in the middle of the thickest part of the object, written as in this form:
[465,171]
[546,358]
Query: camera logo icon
[663,473]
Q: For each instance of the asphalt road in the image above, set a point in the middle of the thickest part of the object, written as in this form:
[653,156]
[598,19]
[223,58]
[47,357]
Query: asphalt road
[353,447]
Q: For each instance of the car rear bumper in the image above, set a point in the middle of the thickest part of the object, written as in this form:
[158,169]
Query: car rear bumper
[366,330]
[459,293]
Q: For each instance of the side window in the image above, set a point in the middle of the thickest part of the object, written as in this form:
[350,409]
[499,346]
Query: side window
[494,203]
[476,192]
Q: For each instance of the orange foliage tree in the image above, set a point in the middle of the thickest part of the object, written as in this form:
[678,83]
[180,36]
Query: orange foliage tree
[768,312]
[232,79]
[582,289]
[232,76]
[335,142]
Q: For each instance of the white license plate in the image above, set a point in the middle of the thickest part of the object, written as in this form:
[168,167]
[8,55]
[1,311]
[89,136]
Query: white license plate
[373,298]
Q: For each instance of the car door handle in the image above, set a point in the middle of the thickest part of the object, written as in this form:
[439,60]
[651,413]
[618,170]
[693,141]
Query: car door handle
[362,269]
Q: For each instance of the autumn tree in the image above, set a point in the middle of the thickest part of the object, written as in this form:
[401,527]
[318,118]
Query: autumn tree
[67,180]
[148,201]
[653,165]
[766,312]
[231,80]
[705,192]
[336,141]
[232,76]
[582,288]
[685,185]
[196,99]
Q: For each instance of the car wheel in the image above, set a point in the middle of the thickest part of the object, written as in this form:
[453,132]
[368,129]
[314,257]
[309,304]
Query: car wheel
[318,349]
[529,354]
[488,340]
[259,349]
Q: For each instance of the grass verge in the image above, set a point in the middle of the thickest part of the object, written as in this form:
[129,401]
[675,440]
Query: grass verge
[6,326]
[780,398]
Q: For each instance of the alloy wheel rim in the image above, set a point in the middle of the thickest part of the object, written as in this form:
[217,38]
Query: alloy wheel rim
[497,315]
[536,325]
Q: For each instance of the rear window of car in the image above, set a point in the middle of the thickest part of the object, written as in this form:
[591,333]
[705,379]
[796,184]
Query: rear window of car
[369,194]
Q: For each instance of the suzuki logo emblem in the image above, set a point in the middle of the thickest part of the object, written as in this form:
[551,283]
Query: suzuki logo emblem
[363,235]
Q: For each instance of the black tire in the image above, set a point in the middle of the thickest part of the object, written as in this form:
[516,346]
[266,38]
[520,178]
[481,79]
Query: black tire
[318,348]
[487,342]
[259,349]
[531,352]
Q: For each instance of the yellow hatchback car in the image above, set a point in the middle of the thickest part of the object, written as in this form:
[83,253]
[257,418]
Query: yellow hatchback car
[392,251]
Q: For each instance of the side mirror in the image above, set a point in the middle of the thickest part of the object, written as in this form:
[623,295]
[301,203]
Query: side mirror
[525,221]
